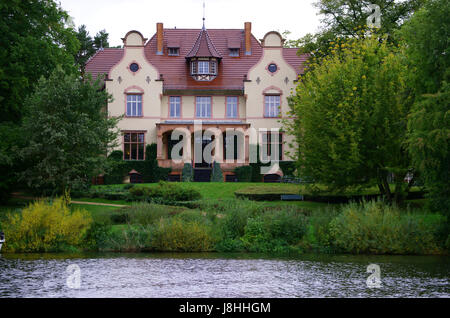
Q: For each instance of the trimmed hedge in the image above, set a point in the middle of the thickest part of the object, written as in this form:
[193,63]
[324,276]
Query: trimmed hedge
[187,174]
[148,168]
[167,192]
[259,193]
[216,175]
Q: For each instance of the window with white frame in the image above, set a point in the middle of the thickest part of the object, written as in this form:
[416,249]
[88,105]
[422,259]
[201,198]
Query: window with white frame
[232,106]
[272,105]
[134,105]
[203,67]
[203,107]
[175,106]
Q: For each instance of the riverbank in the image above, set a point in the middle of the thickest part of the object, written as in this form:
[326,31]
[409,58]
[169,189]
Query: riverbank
[236,225]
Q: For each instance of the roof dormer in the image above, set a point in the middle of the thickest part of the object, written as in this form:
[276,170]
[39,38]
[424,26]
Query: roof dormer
[203,58]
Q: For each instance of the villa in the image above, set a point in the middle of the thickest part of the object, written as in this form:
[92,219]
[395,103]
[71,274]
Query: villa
[196,80]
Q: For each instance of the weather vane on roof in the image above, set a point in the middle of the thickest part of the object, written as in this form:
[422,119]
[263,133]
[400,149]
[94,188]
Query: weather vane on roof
[203,14]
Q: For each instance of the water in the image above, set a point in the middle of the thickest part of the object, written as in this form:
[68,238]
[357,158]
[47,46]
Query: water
[221,275]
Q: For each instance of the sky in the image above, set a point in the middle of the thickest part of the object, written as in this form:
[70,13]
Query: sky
[118,17]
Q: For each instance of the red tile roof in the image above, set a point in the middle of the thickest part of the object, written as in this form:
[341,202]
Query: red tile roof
[175,69]
[103,61]
[297,62]
[203,47]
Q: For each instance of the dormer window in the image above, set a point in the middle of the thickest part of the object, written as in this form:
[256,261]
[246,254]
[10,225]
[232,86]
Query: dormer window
[204,69]
[173,51]
[234,52]
[203,59]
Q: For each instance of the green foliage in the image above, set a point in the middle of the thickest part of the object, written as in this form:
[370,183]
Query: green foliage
[243,173]
[88,45]
[343,19]
[67,133]
[46,227]
[377,228]
[187,174]
[429,141]
[349,117]
[168,192]
[427,37]
[174,235]
[427,48]
[148,168]
[216,175]
[272,232]
[34,41]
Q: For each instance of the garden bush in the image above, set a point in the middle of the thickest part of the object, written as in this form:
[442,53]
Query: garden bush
[46,227]
[174,235]
[273,232]
[243,173]
[378,228]
[187,175]
[216,175]
[167,192]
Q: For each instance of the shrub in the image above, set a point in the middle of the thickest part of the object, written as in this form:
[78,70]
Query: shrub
[148,214]
[243,173]
[274,232]
[378,228]
[174,235]
[187,175]
[165,193]
[216,175]
[45,227]
[129,238]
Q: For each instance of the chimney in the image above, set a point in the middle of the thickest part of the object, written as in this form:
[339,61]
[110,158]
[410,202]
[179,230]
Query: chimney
[159,38]
[248,38]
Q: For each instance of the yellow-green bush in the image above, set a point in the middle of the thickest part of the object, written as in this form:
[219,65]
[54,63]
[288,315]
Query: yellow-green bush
[176,235]
[378,228]
[46,226]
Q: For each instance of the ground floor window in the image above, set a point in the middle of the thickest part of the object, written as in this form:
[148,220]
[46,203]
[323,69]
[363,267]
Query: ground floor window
[134,145]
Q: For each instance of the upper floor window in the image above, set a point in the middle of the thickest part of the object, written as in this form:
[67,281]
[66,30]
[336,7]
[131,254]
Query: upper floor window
[234,52]
[133,146]
[232,106]
[173,51]
[175,106]
[134,105]
[272,105]
[203,107]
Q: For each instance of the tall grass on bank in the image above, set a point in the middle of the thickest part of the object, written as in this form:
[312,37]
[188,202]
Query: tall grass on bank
[377,228]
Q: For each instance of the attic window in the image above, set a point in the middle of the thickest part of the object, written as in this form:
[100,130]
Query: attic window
[234,52]
[173,51]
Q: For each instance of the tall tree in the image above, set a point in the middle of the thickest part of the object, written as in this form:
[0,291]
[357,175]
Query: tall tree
[34,39]
[67,131]
[349,117]
[427,37]
[89,45]
[343,19]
